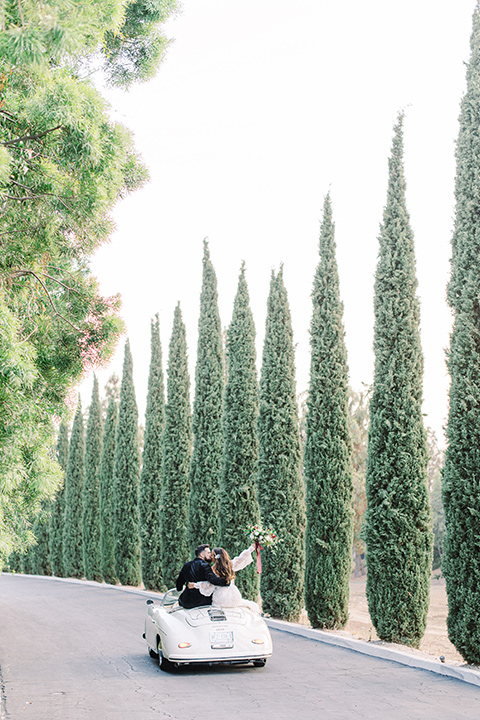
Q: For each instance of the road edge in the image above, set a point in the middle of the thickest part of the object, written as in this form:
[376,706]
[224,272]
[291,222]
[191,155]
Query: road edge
[381,651]
[373,649]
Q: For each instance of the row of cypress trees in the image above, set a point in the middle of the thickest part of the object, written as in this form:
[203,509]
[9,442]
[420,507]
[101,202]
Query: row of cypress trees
[240,457]
[206,477]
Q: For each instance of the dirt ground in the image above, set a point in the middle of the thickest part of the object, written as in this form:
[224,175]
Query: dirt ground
[435,641]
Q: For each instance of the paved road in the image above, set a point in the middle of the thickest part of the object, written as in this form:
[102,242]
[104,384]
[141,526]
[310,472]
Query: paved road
[70,651]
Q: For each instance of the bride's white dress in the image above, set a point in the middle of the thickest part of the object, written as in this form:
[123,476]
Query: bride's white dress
[230,596]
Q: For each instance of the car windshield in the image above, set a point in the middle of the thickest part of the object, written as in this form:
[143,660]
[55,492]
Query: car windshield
[170,598]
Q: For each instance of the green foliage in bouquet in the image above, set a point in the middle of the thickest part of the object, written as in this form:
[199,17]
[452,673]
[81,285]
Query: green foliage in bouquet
[107,499]
[238,500]
[151,477]
[206,465]
[328,466]
[280,487]
[126,474]
[177,452]
[91,489]
[74,481]
[58,506]
[398,523]
[461,495]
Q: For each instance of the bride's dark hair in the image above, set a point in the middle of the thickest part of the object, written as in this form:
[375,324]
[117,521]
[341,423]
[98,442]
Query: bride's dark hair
[222,565]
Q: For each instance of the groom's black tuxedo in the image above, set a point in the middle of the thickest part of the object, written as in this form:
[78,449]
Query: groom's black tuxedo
[195,571]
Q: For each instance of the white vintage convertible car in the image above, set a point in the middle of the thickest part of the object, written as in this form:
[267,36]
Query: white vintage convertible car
[208,634]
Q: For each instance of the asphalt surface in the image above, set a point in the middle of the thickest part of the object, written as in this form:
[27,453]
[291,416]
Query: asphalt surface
[70,651]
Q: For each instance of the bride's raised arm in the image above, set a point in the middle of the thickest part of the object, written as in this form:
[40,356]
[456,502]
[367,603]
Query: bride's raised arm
[244,559]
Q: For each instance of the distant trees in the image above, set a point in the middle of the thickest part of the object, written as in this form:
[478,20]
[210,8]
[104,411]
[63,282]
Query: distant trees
[398,522]
[359,420]
[238,506]
[151,477]
[126,476]
[58,506]
[328,448]
[280,484]
[436,462]
[206,464]
[461,496]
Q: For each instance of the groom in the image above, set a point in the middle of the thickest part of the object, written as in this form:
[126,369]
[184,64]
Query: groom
[195,571]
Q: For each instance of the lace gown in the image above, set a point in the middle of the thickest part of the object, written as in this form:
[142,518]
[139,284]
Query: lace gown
[230,596]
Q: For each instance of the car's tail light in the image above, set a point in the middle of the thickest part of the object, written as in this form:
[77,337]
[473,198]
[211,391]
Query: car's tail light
[258,641]
[184,645]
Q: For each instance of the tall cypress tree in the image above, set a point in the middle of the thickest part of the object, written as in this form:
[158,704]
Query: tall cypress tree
[238,505]
[91,494]
[206,466]
[74,480]
[177,452]
[107,493]
[151,478]
[461,495]
[328,468]
[126,480]
[280,486]
[398,523]
[58,506]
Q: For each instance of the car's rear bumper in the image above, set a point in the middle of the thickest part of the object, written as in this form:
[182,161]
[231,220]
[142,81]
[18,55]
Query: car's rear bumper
[219,658]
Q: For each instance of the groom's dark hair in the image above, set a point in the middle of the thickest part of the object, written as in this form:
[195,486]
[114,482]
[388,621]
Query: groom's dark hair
[200,549]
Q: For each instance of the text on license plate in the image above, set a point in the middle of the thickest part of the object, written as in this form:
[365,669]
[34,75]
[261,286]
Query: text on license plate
[221,638]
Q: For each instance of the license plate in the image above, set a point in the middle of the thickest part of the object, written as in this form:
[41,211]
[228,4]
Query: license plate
[221,638]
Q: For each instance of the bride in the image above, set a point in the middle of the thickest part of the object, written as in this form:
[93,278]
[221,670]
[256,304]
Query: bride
[226,568]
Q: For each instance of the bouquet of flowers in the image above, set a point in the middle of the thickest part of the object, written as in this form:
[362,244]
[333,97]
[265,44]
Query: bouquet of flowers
[261,538]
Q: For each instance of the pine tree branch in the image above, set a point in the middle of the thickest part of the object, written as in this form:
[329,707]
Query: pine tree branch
[67,287]
[22,273]
[31,137]
[8,115]
[35,197]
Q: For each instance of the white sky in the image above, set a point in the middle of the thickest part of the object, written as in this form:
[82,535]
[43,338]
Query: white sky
[260,108]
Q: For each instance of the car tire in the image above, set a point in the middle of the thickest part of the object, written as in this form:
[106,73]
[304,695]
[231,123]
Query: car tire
[166,664]
[152,653]
[260,663]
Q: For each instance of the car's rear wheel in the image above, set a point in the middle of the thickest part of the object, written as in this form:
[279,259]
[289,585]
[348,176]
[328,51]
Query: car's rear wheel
[166,664]
[152,653]
[260,663]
